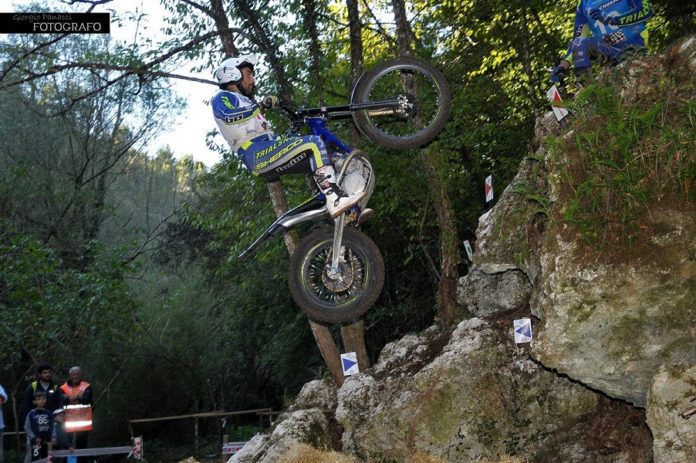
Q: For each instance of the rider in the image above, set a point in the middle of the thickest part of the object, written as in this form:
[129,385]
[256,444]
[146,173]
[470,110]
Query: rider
[604,27]
[263,153]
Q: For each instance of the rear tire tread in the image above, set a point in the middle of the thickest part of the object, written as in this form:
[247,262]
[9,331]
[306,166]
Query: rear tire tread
[368,80]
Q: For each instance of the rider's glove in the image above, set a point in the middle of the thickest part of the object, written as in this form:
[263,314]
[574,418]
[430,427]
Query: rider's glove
[269,102]
[558,73]
[597,15]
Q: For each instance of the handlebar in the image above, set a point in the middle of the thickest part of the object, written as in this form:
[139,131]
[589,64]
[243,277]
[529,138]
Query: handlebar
[344,111]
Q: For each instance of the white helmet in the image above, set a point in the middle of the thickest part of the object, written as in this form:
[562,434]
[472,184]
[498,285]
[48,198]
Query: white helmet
[229,70]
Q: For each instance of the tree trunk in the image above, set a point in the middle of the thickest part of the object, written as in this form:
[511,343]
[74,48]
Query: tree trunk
[356,55]
[353,336]
[449,244]
[328,350]
[309,12]
[266,44]
[222,25]
[403,28]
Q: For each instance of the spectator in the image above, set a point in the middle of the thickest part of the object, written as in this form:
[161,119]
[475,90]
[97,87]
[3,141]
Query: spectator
[604,29]
[75,391]
[39,428]
[44,382]
[62,441]
[3,399]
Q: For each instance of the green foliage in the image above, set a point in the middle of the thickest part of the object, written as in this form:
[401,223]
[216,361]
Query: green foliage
[627,157]
[48,312]
[530,193]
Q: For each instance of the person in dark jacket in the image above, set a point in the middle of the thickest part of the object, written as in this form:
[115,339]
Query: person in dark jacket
[44,382]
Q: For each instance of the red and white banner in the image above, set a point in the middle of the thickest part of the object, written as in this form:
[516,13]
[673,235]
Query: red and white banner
[137,448]
[489,188]
[230,448]
[78,418]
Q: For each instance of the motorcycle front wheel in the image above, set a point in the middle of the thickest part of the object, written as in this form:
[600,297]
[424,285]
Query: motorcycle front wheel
[423,97]
[340,298]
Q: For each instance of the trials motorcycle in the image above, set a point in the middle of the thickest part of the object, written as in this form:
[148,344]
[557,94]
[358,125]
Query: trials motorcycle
[337,273]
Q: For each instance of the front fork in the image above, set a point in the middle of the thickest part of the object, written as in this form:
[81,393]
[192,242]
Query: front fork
[334,272]
[339,222]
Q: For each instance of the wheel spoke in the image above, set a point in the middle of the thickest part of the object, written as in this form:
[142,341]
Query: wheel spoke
[347,287]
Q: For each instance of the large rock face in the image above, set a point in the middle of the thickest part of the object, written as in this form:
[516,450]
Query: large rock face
[610,320]
[481,397]
[612,317]
[612,326]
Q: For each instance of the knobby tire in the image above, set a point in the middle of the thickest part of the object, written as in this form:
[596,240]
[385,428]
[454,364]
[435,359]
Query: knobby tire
[434,87]
[311,289]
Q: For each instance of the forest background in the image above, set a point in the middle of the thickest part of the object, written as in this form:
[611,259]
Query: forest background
[124,263]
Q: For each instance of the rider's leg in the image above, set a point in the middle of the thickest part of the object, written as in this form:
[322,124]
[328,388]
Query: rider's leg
[583,49]
[609,48]
[279,156]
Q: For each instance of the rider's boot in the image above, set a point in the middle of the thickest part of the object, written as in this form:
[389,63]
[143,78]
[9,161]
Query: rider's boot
[337,201]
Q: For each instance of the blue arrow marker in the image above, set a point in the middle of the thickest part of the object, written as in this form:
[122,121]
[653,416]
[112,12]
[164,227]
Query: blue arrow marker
[524,330]
[347,364]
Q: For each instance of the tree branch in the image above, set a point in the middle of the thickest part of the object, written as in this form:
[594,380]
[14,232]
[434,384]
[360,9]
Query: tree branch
[200,7]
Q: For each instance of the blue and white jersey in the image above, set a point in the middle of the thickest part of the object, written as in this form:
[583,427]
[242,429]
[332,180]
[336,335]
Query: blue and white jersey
[629,16]
[238,118]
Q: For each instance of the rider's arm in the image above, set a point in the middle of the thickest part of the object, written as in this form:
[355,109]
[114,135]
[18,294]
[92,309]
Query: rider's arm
[238,118]
[227,108]
[580,28]
[28,428]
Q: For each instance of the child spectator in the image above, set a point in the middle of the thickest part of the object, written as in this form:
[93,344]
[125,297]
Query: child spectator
[62,441]
[39,428]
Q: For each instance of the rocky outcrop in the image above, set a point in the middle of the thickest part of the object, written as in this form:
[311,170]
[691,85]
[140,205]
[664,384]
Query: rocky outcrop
[614,337]
[612,325]
[619,322]
[672,393]
[481,397]
[307,422]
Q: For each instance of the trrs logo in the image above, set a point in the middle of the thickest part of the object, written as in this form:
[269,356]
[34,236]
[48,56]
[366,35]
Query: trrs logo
[293,162]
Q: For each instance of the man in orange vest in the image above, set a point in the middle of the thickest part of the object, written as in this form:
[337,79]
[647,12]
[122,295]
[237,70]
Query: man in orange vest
[78,403]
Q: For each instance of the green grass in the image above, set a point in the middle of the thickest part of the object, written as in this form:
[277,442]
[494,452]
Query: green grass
[627,156]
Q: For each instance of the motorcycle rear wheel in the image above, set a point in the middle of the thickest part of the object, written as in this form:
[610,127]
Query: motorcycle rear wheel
[342,300]
[425,92]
